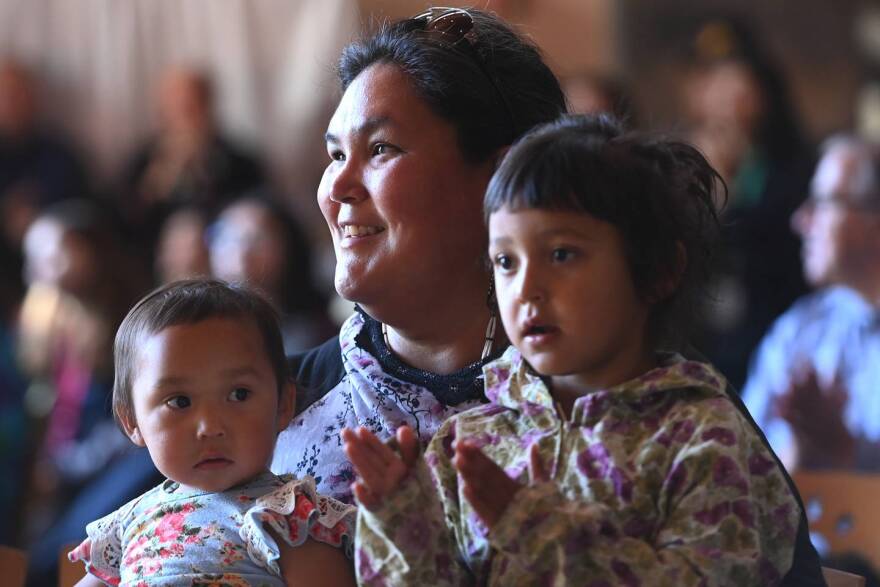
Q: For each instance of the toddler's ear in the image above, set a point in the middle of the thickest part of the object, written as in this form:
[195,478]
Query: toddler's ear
[286,405]
[131,430]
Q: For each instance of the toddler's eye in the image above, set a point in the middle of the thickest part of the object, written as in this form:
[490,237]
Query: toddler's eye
[337,155]
[178,402]
[239,394]
[503,262]
[561,255]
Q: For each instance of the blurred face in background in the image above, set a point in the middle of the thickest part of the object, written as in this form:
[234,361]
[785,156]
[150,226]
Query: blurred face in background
[185,104]
[182,252]
[248,245]
[838,224]
[59,257]
[17,100]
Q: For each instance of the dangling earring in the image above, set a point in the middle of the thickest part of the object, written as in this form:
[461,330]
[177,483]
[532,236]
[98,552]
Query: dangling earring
[492,303]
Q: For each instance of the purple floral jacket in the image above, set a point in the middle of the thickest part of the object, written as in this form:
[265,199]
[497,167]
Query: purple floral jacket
[657,481]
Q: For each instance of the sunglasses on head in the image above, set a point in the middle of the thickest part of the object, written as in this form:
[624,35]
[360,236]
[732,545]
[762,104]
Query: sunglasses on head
[451,26]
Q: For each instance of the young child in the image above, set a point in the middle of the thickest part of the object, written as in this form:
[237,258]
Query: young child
[599,459]
[201,382]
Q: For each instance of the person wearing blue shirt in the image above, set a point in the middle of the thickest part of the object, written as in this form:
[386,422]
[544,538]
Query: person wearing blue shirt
[814,382]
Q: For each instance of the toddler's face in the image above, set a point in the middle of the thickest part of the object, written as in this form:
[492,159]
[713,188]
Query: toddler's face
[206,403]
[566,295]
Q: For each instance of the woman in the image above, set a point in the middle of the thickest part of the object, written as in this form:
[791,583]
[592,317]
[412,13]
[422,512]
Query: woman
[429,106]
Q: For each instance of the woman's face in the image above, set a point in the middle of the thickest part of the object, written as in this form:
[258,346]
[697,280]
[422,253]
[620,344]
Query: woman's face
[402,205]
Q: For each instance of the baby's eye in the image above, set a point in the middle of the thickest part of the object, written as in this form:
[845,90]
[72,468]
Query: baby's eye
[561,255]
[178,402]
[337,155]
[239,394]
[503,262]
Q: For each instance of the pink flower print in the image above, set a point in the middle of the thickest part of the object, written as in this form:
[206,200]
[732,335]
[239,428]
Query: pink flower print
[230,553]
[304,508]
[170,527]
[244,498]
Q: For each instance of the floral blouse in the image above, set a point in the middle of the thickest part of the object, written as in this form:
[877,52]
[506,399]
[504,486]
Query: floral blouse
[175,535]
[658,481]
[365,396]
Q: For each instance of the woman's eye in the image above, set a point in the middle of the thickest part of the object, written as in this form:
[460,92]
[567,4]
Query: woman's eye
[561,255]
[381,149]
[178,402]
[239,394]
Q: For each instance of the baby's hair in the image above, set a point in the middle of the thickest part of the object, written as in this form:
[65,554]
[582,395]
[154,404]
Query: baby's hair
[659,193]
[189,302]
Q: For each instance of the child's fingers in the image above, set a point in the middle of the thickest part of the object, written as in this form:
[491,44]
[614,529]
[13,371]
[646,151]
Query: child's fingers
[364,496]
[369,465]
[539,474]
[372,442]
[408,445]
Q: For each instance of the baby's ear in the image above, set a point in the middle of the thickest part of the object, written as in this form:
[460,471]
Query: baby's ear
[131,429]
[286,405]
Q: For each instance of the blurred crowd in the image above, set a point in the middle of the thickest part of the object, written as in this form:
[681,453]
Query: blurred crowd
[190,201]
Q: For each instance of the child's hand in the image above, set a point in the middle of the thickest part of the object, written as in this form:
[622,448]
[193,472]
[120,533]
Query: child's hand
[379,468]
[486,486]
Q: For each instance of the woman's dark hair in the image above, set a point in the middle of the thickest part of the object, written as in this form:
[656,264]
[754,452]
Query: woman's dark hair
[659,193]
[189,302]
[454,79]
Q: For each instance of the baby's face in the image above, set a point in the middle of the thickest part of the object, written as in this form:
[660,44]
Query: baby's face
[206,403]
[566,295]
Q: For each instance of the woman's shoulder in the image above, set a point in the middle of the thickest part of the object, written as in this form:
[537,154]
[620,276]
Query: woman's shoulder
[316,371]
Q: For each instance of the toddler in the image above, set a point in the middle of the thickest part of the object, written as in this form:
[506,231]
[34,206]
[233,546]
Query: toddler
[599,460]
[201,382]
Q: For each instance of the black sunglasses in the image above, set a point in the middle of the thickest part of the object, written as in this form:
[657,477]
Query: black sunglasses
[451,26]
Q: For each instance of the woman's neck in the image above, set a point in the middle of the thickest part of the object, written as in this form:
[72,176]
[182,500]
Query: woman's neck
[442,339]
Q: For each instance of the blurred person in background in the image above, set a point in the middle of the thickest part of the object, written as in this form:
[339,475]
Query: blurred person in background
[182,249]
[80,283]
[814,383]
[37,167]
[254,240]
[593,93]
[744,122]
[188,163]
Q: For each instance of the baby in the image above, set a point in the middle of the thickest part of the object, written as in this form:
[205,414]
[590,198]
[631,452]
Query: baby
[600,459]
[201,382]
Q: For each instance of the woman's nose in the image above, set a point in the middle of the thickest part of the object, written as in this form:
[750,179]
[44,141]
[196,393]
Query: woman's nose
[345,183]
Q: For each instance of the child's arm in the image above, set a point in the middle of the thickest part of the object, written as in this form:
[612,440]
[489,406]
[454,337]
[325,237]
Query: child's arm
[90,581]
[315,564]
[718,521]
[402,535]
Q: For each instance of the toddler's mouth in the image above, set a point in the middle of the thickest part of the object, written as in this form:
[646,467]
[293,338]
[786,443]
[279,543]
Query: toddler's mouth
[213,463]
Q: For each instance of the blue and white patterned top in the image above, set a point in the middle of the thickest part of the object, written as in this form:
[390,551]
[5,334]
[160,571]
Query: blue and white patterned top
[176,535]
[837,333]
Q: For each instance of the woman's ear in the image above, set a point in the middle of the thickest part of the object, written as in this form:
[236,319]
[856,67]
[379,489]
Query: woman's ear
[286,406]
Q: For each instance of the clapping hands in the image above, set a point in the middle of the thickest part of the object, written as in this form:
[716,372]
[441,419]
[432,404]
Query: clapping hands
[381,469]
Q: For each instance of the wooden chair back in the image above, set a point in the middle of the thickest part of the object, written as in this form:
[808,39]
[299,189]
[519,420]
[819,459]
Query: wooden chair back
[842,507]
[13,566]
[835,578]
